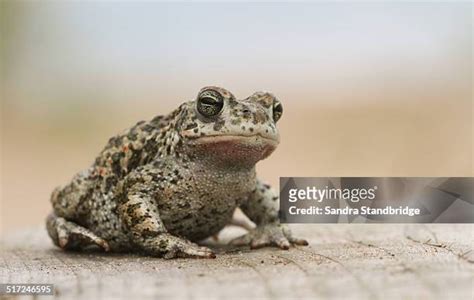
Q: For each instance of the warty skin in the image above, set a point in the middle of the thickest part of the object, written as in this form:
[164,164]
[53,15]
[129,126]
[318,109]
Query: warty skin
[165,184]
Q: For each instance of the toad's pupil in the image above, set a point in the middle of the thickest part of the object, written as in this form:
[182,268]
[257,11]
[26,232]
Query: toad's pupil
[209,100]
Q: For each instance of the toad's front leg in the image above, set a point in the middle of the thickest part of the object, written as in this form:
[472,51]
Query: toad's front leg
[262,208]
[140,215]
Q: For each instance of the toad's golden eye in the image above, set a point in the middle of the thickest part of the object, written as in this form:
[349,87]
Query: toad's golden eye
[210,103]
[277,110]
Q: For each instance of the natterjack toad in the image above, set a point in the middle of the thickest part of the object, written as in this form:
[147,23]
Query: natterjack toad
[177,179]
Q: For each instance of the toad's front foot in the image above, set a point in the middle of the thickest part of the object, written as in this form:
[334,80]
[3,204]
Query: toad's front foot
[169,246]
[272,234]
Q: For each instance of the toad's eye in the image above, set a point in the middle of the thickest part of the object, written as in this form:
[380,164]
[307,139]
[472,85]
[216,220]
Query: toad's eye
[210,103]
[277,110]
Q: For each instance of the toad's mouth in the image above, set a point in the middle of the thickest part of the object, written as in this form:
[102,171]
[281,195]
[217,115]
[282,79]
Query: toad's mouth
[234,138]
[250,148]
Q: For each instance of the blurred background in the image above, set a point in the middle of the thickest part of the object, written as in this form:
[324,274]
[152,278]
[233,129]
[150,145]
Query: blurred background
[375,89]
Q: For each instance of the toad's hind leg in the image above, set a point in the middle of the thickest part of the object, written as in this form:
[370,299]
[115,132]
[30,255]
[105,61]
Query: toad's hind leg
[69,235]
[67,200]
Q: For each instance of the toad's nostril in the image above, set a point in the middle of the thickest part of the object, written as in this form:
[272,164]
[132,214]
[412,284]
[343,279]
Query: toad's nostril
[246,111]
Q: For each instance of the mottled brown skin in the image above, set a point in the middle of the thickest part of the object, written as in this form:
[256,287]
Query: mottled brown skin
[164,184]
